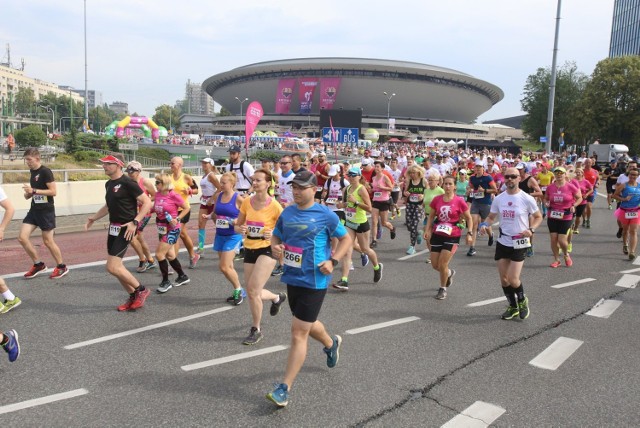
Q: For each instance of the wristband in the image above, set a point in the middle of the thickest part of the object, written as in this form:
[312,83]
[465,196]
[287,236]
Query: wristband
[483,224]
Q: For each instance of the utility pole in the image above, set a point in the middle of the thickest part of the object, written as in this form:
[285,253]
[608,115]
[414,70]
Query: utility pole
[552,86]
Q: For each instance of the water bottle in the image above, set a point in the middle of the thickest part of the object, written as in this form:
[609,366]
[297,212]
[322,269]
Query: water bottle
[168,217]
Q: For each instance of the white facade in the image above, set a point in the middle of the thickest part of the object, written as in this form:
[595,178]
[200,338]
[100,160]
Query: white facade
[11,80]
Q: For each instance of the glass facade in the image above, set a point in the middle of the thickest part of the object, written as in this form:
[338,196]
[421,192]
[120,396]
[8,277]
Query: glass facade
[625,29]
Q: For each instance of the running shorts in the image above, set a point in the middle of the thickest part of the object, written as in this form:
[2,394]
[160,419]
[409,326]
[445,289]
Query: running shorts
[305,303]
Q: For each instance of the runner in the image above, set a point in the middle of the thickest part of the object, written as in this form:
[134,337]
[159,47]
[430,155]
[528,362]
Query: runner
[396,174]
[209,185]
[243,169]
[122,198]
[593,177]
[586,189]
[415,188]
[544,178]
[481,187]
[443,231]
[321,172]
[10,301]
[10,344]
[302,235]
[257,218]
[519,217]
[561,199]
[42,214]
[170,211]
[611,174]
[381,186]
[184,186]
[139,244]
[627,214]
[623,179]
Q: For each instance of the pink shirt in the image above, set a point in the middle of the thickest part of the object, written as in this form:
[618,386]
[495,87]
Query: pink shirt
[561,199]
[167,203]
[378,193]
[448,214]
[585,187]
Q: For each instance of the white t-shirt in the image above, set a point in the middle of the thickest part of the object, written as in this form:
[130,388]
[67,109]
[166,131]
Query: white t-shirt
[285,191]
[513,213]
[242,183]
[3,195]
[334,193]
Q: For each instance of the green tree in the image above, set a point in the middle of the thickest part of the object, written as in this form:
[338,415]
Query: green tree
[25,100]
[100,117]
[30,136]
[167,116]
[610,107]
[570,84]
[224,112]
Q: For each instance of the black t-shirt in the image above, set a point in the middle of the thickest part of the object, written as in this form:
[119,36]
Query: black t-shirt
[613,175]
[39,179]
[524,185]
[121,196]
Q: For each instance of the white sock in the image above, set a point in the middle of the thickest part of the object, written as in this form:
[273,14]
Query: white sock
[8,295]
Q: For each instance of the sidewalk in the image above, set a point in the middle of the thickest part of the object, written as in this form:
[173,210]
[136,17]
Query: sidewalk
[64,224]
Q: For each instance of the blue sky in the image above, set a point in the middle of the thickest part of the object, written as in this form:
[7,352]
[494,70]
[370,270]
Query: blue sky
[142,52]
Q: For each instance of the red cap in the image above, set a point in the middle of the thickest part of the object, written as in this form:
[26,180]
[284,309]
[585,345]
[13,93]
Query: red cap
[112,159]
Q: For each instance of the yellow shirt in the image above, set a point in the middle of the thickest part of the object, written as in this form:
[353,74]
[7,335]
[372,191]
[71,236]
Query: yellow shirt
[258,221]
[545,178]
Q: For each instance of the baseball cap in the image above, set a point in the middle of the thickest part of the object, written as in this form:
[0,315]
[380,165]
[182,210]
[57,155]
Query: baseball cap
[235,149]
[559,168]
[520,166]
[463,171]
[354,171]
[208,160]
[333,170]
[366,162]
[305,179]
[112,159]
[134,166]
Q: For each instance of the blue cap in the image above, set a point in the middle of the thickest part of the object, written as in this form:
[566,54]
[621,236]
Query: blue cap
[354,171]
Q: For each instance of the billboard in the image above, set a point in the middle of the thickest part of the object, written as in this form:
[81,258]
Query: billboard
[340,118]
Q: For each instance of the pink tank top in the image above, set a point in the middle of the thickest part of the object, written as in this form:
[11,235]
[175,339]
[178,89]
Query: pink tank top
[378,193]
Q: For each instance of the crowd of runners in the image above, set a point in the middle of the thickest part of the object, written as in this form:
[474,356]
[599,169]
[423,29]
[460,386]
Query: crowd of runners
[303,217]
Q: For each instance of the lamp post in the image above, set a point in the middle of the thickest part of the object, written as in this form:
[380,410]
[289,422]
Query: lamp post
[53,117]
[389,96]
[241,102]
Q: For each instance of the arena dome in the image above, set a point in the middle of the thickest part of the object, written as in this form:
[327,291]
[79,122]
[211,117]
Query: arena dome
[423,92]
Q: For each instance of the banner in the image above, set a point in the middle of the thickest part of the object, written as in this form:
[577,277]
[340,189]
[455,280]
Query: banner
[305,93]
[284,95]
[392,125]
[253,116]
[328,91]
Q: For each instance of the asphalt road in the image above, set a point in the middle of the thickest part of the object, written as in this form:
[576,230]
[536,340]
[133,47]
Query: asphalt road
[85,364]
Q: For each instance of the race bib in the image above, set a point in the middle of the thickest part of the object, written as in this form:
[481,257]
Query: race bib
[319,189]
[114,229]
[292,256]
[629,215]
[203,200]
[520,242]
[414,197]
[543,188]
[350,214]
[395,189]
[255,229]
[162,229]
[444,228]
[332,201]
[377,194]
[39,199]
[477,195]
[558,215]
[222,222]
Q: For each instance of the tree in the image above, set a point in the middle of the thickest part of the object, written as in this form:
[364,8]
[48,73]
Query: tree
[30,136]
[100,117]
[224,112]
[610,107]
[167,116]
[25,100]
[570,85]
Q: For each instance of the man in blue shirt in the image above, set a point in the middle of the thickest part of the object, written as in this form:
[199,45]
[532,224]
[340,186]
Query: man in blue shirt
[302,237]
[481,189]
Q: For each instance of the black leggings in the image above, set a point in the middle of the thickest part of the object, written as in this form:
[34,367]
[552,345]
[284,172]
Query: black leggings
[414,216]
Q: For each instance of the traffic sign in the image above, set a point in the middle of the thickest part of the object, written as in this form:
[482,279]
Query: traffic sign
[123,146]
[543,139]
[340,135]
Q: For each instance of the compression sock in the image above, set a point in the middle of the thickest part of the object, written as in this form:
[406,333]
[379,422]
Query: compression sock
[175,264]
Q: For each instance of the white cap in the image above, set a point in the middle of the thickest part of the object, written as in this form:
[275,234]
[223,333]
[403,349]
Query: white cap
[463,171]
[333,170]
[367,161]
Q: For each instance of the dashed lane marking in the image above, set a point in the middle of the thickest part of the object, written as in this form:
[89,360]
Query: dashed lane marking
[557,353]
[628,281]
[487,302]
[477,415]
[604,308]
[425,251]
[381,325]
[42,400]
[147,328]
[231,358]
[569,284]
[630,270]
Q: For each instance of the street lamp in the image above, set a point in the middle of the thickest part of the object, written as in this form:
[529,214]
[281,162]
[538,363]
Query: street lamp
[53,117]
[389,96]
[241,102]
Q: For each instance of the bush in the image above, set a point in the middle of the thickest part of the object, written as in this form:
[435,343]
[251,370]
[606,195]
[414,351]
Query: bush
[86,156]
[147,152]
[266,154]
[30,136]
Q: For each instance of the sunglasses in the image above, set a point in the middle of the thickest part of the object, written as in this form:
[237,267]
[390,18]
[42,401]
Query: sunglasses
[558,172]
[511,176]
[284,163]
[158,182]
[353,175]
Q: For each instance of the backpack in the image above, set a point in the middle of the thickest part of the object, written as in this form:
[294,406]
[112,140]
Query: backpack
[327,185]
[240,168]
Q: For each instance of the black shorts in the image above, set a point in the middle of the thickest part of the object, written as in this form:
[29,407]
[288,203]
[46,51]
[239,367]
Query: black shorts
[251,255]
[318,195]
[580,210]
[611,188]
[341,216]
[44,219]
[362,227]
[186,218]
[439,243]
[117,245]
[561,227]
[381,205]
[305,303]
[395,196]
[504,252]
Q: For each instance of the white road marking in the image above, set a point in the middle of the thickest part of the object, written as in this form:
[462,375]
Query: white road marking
[426,250]
[42,400]
[628,281]
[147,328]
[232,358]
[630,270]
[381,325]
[557,353]
[604,308]
[477,415]
[487,302]
[636,261]
[569,284]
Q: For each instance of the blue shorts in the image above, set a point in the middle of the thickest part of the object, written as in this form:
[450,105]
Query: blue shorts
[227,243]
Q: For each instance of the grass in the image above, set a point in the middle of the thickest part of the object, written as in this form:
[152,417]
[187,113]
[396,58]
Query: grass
[63,161]
[530,146]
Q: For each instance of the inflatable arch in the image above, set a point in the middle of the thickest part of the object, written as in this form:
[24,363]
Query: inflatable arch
[137,122]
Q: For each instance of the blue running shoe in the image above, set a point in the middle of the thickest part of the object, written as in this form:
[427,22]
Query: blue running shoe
[333,353]
[12,347]
[364,259]
[379,232]
[419,240]
[280,395]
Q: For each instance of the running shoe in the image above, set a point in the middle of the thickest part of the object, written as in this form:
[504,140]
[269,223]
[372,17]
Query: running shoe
[59,272]
[625,249]
[278,270]
[150,265]
[181,280]
[393,217]
[472,252]
[200,250]
[393,233]
[450,277]
[10,304]
[619,233]
[587,224]
[569,247]
[139,298]
[530,251]
[555,264]
[523,308]
[279,396]
[254,337]
[236,298]
[442,294]
[275,307]
[141,266]
[333,353]
[239,255]
[12,347]
[341,285]
[364,259]
[576,231]
[411,250]
[379,232]
[374,244]
[610,207]
[35,270]
[419,241]
[377,274]
[510,313]
[351,267]
[399,213]
[193,262]
[491,239]
[567,260]
[632,257]
[164,286]
[126,305]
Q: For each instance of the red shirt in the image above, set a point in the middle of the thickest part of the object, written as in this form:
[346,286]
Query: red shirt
[591,175]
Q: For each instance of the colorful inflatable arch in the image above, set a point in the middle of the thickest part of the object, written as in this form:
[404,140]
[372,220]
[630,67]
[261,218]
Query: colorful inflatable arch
[138,122]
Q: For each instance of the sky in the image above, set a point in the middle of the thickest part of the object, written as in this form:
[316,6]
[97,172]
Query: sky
[142,52]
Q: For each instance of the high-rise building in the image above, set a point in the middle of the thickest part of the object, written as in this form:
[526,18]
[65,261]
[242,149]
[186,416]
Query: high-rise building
[119,107]
[625,29]
[94,98]
[197,101]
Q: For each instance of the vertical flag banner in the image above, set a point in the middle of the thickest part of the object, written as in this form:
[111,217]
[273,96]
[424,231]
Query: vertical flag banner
[284,95]
[253,116]
[306,90]
[329,87]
